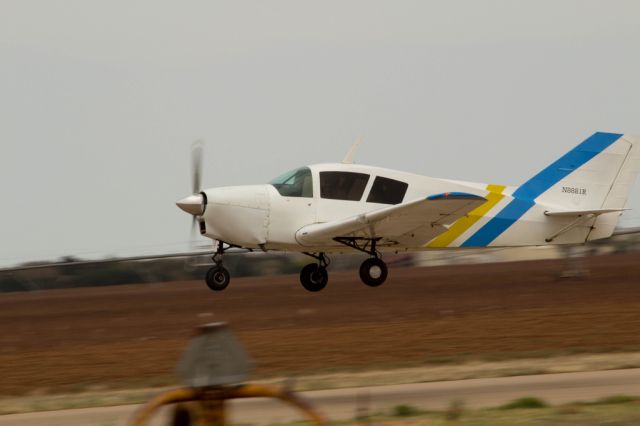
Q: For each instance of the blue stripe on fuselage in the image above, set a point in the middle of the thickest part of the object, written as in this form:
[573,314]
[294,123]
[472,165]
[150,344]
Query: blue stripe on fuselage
[524,197]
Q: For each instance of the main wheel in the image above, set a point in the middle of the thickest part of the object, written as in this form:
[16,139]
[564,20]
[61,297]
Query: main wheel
[314,277]
[218,278]
[373,272]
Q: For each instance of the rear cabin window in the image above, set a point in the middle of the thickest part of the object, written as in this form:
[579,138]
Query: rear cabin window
[343,185]
[387,191]
[296,183]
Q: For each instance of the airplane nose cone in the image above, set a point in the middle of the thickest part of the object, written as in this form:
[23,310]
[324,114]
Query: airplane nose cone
[193,204]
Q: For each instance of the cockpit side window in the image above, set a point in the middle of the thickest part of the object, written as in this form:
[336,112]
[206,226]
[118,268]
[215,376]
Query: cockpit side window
[296,183]
[387,191]
[343,185]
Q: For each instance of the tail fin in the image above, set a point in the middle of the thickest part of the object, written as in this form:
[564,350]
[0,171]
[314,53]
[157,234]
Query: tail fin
[597,174]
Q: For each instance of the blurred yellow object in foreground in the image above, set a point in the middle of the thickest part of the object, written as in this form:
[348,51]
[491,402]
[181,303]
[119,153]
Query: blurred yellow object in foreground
[212,367]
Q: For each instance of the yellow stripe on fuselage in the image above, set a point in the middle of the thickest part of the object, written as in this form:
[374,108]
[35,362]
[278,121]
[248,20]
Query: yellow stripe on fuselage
[461,225]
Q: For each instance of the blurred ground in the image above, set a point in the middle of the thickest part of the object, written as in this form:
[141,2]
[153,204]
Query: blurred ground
[127,336]
[454,397]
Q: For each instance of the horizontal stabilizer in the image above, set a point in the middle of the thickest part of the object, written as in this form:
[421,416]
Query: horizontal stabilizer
[578,213]
[626,231]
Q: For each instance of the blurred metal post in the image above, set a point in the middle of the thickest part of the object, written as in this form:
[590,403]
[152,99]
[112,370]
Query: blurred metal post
[214,358]
[363,407]
[574,262]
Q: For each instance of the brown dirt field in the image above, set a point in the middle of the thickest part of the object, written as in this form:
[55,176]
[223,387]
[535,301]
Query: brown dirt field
[65,340]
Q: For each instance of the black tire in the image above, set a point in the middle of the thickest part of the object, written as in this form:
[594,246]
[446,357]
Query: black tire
[373,272]
[313,277]
[218,278]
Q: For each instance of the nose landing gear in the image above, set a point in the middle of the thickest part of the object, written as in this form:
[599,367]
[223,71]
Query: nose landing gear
[218,277]
[314,276]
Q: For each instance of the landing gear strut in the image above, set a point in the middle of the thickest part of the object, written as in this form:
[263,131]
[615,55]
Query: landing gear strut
[314,276]
[373,271]
[218,277]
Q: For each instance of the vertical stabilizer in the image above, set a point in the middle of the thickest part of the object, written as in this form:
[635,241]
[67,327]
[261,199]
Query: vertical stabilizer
[582,178]
[595,175]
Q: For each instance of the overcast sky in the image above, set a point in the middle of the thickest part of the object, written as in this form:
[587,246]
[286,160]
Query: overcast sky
[101,100]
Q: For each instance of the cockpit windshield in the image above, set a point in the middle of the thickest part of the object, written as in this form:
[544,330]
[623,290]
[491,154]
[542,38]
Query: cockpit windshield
[296,183]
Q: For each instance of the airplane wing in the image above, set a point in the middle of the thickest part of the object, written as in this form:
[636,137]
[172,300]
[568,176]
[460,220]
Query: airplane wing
[415,221]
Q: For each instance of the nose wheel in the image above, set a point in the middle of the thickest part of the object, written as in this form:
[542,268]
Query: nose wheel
[218,277]
[314,277]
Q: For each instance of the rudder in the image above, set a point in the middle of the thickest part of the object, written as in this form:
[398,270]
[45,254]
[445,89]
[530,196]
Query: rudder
[620,189]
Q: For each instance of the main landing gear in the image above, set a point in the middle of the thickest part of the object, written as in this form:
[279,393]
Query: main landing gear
[373,271]
[314,276]
[218,277]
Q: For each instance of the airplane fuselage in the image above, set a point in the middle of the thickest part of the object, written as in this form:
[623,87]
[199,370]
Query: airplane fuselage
[261,217]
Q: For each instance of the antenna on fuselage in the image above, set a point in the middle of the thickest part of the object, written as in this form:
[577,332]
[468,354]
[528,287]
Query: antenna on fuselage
[348,159]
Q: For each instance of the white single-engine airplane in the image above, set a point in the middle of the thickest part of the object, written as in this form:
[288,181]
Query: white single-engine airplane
[328,208]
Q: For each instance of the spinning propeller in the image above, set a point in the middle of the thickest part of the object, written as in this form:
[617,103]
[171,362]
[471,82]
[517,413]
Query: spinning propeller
[196,203]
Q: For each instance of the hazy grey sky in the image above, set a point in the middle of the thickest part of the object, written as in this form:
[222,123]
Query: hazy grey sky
[100,101]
